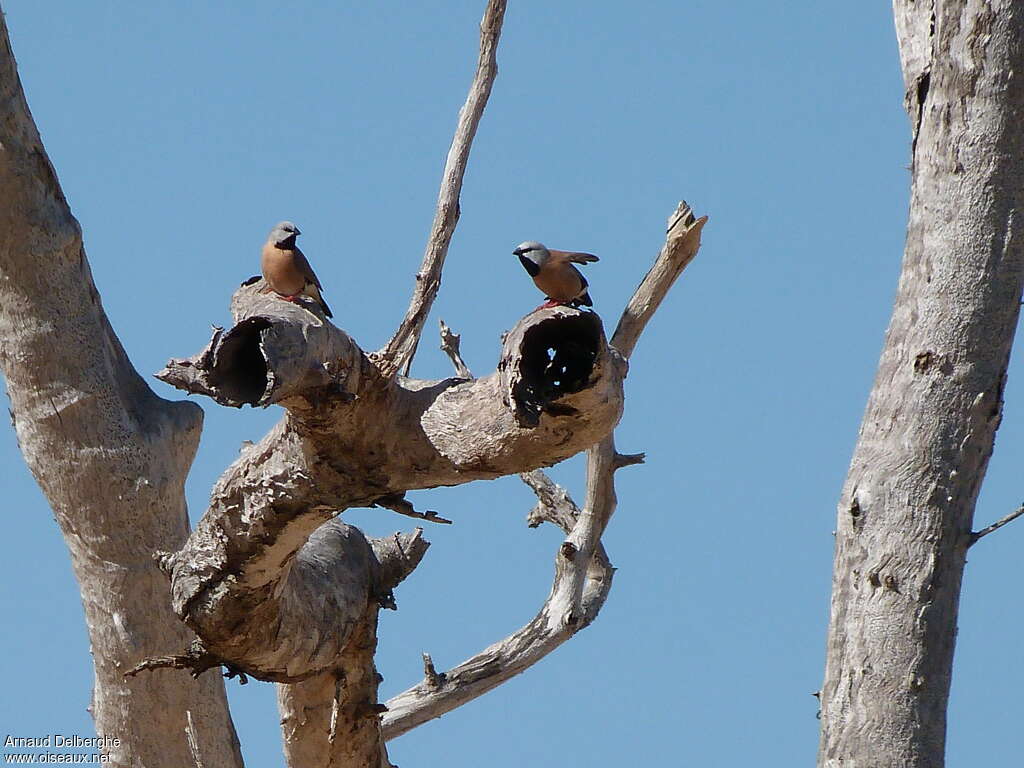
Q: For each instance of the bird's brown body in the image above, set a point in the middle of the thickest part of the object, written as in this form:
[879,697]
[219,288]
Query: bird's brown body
[287,271]
[560,281]
[553,272]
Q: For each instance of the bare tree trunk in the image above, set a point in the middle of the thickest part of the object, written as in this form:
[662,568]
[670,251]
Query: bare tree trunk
[110,456]
[907,507]
[271,581]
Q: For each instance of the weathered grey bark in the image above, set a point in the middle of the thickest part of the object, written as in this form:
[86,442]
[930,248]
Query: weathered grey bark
[906,509]
[356,435]
[362,438]
[583,573]
[110,456]
[583,578]
[273,586]
[401,347]
[332,718]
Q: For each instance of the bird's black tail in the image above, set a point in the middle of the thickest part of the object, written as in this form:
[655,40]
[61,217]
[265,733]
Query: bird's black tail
[313,291]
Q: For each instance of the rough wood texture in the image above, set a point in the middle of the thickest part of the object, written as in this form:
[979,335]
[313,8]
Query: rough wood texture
[450,342]
[110,456]
[906,509]
[332,718]
[272,584]
[359,439]
[400,349]
[581,584]
[582,571]
[682,241]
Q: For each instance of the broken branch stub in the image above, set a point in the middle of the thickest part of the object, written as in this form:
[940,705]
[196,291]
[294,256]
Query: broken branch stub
[276,350]
[249,579]
[302,620]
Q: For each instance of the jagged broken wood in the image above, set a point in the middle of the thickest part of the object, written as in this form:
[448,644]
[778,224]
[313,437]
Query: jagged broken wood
[272,584]
[450,342]
[354,435]
[582,571]
[397,502]
[556,622]
[353,441]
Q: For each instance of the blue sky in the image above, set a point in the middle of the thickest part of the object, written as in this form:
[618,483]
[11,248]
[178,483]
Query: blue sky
[182,132]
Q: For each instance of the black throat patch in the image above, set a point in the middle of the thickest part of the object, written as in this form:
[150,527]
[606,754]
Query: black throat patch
[532,268]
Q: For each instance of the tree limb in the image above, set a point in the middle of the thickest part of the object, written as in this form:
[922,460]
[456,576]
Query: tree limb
[332,719]
[108,453]
[399,351]
[351,443]
[906,509]
[582,571]
[557,620]
[682,241]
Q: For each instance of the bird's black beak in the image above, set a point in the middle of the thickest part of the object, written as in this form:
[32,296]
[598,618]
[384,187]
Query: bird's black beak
[517,252]
[296,232]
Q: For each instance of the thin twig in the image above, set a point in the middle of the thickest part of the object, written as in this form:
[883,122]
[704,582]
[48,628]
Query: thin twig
[997,525]
[196,659]
[397,502]
[629,459]
[400,349]
[450,346]
[682,241]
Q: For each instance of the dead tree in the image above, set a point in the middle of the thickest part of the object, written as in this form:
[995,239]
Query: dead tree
[272,584]
[906,511]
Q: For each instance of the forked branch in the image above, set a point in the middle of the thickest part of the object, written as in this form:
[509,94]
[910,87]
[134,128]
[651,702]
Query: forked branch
[555,623]
[400,349]
[583,573]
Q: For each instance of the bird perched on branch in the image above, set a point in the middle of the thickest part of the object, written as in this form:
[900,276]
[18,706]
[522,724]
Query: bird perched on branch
[286,270]
[553,272]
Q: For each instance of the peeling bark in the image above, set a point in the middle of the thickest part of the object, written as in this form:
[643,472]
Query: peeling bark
[583,574]
[583,578]
[110,456]
[363,438]
[332,718]
[906,509]
[273,584]
[357,435]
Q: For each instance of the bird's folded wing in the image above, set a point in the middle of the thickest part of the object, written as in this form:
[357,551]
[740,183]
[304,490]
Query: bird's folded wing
[303,264]
[574,256]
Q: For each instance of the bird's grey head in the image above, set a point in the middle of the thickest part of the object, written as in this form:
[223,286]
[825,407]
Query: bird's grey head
[284,232]
[533,251]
